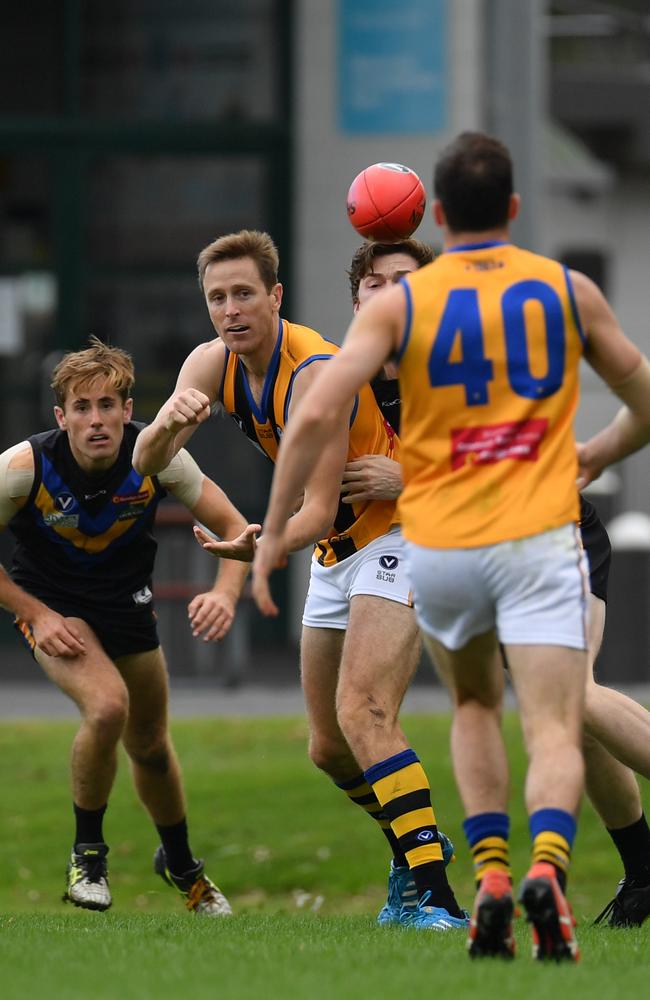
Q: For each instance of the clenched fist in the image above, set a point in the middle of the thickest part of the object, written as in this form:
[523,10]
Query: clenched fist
[185,409]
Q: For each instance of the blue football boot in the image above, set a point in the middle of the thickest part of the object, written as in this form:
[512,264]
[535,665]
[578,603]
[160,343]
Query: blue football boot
[402,892]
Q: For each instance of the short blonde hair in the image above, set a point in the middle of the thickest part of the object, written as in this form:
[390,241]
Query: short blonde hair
[99,361]
[246,243]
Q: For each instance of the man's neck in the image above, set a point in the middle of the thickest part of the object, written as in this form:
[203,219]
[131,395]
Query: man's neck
[453,239]
[257,363]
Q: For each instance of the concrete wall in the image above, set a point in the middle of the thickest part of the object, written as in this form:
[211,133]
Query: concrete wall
[327,160]
[617,223]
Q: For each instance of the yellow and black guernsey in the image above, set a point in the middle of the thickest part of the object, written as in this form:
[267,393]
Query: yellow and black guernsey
[86,541]
[297,347]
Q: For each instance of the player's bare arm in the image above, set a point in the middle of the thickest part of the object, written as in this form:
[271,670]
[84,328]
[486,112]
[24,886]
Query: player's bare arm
[189,405]
[210,613]
[627,372]
[315,517]
[322,491]
[373,337]
[52,632]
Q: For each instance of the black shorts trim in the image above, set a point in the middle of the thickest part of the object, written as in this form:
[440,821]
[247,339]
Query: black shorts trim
[598,548]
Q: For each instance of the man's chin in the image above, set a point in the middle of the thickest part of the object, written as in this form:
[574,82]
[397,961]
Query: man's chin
[238,344]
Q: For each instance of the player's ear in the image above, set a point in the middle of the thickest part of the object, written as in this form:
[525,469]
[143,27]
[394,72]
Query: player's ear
[438,213]
[128,410]
[276,293]
[60,418]
[513,207]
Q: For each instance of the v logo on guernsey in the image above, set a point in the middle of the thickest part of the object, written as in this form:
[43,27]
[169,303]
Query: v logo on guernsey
[388,562]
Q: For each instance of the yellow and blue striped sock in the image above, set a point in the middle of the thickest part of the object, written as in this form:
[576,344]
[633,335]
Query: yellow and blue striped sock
[487,836]
[402,788]
[553,832]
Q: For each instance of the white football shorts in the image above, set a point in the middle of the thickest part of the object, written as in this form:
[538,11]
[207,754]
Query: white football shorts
[533,591]
[377,570]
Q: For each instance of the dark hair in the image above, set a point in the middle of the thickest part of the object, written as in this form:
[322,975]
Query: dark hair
[364,257]
[246,243]
[473,182]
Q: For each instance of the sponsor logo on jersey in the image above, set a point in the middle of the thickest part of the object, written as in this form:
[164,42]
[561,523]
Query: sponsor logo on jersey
[65,502]
[133,510]
[61,520]
[425,836]
[131,497]
[484,265]
[388,562]
[519,440]
[142,596]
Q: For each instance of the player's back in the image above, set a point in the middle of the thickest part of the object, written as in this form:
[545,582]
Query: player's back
[489,380]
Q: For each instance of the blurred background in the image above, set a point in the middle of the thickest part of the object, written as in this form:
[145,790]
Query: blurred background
[134,132]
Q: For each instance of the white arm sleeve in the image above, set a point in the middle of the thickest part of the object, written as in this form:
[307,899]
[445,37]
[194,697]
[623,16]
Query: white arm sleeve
[15,484]
[183,478]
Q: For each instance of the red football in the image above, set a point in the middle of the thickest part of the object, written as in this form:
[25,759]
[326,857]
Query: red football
[386,202]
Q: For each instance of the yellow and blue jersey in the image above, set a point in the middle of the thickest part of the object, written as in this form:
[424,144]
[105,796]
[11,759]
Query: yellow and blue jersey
[85,538]
[489,380]
[297,347]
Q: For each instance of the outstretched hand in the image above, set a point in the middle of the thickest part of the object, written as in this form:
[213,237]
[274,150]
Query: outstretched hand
[241,548]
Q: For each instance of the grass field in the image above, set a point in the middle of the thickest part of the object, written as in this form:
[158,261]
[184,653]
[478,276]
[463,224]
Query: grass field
[304,869]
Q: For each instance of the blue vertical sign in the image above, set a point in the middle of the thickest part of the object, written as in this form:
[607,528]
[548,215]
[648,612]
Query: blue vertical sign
[392,66]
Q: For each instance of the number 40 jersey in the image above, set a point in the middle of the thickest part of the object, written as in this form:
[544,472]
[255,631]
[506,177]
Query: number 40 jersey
[489,382]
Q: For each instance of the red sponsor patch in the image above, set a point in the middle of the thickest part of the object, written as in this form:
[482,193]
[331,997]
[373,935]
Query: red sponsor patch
[494,442]
[131,497]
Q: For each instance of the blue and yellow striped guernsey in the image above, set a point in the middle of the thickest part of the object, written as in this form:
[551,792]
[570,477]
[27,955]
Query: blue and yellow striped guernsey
[85,537]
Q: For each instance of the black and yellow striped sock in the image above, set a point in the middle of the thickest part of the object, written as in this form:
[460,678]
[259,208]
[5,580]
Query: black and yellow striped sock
[487,836]
[553,832]
[359,791]
[402,788]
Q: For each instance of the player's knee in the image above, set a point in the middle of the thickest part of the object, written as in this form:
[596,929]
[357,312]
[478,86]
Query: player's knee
[329,755]
[357,710]
[108,718]
[154,754]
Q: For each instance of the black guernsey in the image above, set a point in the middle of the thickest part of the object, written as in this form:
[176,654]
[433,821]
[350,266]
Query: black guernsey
[86,540]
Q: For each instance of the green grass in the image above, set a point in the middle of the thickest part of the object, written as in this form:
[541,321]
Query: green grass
[256,956]
[303,868]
